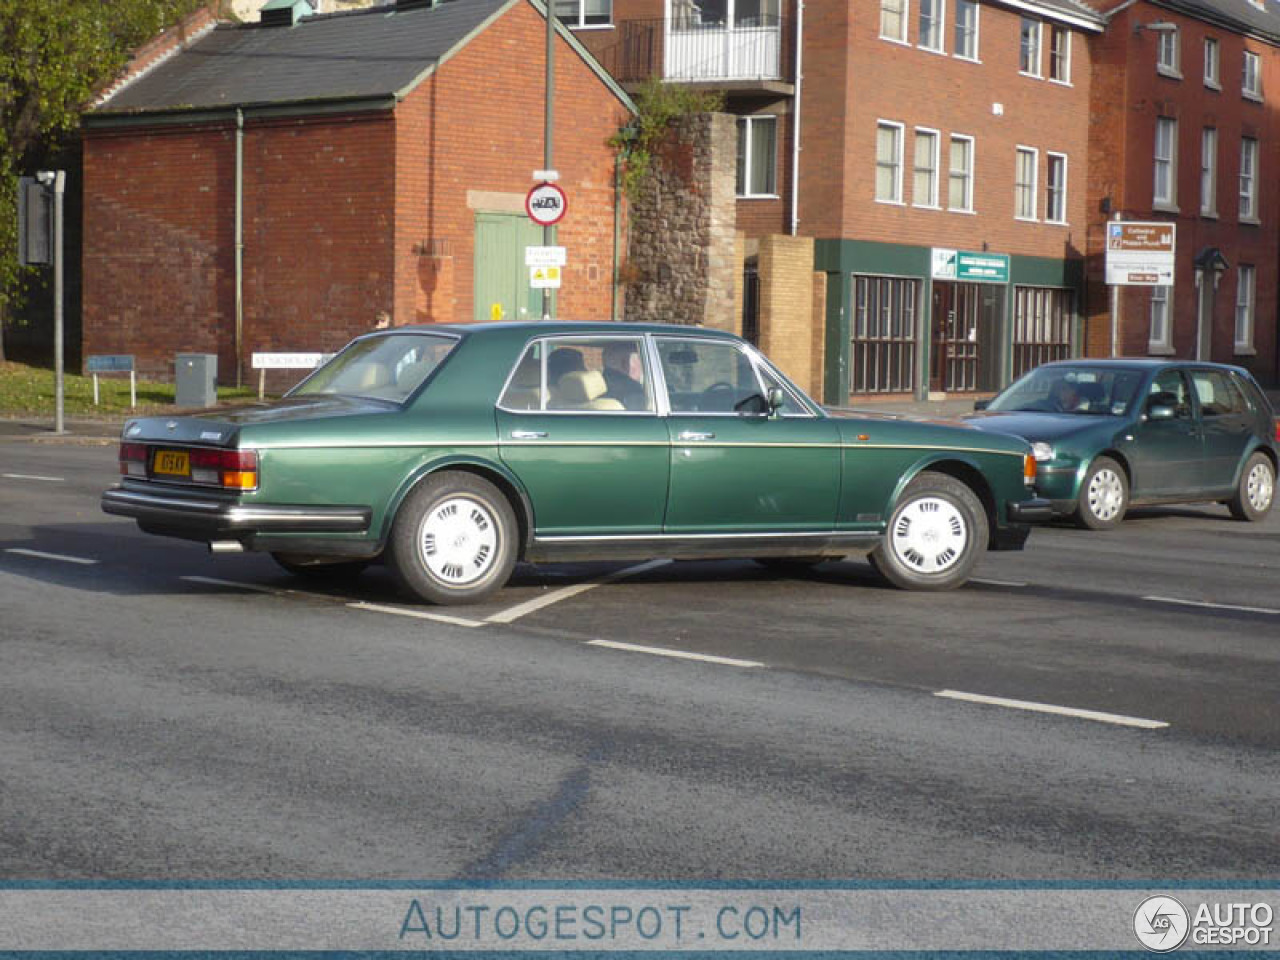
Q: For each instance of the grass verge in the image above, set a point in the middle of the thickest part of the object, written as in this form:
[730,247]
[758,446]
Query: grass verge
[30,391]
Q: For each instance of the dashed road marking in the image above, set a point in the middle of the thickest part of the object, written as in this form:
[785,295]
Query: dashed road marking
[416,614]
[511,614]
[1213,606]
[676,654]
[1112,718]
[41,555]
[233,584]
[32,476]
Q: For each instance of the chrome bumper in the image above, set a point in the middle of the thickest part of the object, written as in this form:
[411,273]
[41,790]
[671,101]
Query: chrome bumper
[200,519]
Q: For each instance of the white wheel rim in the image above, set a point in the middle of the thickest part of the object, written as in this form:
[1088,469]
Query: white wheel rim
[1106,495]
[458,541]
[929,535]
[1261,487]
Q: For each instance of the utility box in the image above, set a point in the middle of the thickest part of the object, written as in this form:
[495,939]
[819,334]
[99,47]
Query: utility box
[195,380]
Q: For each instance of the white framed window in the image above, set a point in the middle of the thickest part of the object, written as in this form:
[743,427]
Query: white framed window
[585,13]
[888,162]
[966,30]
[1251,78]
[1212,64]
[960,174]
[1209,172]
[933,16]
[1055,194]
[925,173]
[893,20]
[1248,178]
[1169,53]
[757,156]
[1059,54]
[1160,339]
[1164,186]
[1245,288]
[1024,183]
[1029,46]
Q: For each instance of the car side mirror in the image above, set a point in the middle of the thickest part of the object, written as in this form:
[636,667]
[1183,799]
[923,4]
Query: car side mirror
[981,404]
[1159,411]
[776,400]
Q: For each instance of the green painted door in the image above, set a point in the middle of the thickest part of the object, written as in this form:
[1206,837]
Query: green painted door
[502,289]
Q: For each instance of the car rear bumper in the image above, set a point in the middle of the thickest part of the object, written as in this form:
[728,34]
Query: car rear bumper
[211,520]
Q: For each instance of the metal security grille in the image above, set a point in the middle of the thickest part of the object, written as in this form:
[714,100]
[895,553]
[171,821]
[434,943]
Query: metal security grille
[751,304]
[958,344]
[1042,321]
[883,358]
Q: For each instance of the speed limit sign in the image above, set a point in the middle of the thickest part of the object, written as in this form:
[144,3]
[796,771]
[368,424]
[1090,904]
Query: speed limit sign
[546,204]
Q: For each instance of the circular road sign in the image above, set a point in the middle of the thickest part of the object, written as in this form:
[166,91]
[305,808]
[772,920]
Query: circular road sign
[546,204]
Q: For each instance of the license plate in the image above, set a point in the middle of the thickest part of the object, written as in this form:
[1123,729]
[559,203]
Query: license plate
[172,463]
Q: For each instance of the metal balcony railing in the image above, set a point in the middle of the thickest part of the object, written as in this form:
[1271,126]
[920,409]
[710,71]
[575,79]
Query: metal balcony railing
[689,49]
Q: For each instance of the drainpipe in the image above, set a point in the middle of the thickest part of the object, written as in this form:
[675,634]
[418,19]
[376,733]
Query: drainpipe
[239,243]
[795,120]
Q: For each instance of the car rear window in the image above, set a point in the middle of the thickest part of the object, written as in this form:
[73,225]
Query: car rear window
[389,367]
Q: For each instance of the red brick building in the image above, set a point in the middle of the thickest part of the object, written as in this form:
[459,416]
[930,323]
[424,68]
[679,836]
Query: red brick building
[1185,132]
[380,159]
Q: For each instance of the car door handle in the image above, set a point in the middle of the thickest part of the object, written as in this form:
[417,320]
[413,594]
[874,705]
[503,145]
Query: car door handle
[528,434]
[696,435]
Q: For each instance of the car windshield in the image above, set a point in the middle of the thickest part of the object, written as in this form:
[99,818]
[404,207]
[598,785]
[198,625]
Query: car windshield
[387,367]
[1077,390]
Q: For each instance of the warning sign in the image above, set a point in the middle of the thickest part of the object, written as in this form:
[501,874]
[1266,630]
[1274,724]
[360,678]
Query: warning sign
[544,278]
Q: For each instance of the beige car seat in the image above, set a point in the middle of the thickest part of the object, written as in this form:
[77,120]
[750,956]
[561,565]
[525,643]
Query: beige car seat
[583,390]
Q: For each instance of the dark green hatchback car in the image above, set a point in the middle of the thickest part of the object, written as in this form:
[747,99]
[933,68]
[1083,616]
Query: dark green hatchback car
[1111,433]
[454,451]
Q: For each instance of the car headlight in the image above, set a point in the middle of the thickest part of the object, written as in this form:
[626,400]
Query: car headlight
[1042,451]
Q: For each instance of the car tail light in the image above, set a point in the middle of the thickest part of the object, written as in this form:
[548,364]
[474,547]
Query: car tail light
[133,460]
[1028,468]
[233,469]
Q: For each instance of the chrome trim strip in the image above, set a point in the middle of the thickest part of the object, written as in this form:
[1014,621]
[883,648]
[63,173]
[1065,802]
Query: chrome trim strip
[760,535]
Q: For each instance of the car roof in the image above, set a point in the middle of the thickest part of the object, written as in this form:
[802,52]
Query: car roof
[1141,363]
[554,327]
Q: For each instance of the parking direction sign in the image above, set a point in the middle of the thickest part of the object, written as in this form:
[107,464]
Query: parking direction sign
[1140,254]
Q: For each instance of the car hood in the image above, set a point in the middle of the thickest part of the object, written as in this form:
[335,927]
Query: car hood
[221,425]
[1037,426]
[851,413]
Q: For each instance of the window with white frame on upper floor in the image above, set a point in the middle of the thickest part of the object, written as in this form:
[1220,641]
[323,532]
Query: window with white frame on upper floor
[960,174]
[966,29]
[757,156]
[585,13]
[933,15]
[1159,340]
[1212,64]
[893,20]
[925,173]
[1164,180]
[1245,281]
[1169,52]
[1024,183]
[1248,178]
[1029,46]
[888,162]
[1251,79]
[1055,195]
[1209,172]
[1059,53]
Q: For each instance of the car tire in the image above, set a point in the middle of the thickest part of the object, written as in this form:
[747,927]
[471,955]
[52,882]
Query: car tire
[319,569]
[1256,490]
[1104,495]
[454,539]
[936,533]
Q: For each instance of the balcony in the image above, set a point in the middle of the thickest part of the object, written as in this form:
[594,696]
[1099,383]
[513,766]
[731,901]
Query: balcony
[751,56]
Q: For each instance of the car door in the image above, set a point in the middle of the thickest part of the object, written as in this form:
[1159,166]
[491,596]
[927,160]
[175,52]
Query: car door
[591,466]
[735,468]
[1226,422]
[1167,454]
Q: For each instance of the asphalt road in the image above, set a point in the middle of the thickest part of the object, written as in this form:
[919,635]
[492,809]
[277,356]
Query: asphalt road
[166,714]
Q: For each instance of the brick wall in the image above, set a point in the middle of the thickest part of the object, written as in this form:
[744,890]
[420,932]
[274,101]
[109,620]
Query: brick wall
[786,306]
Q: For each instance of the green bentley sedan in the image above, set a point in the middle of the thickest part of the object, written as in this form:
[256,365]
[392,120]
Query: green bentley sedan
[452,452]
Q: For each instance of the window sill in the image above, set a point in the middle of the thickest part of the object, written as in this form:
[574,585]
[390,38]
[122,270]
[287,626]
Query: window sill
[1251,96]
[1160,350]
[1057,223]
[1213,85]
[964,211]
[1208,214]
[1161,206]
[758,196]
[895,40]
[964,59]
[1030,76]
[1250,222]
[592,26]
[1241,350]
[936,51]
[1170,72]
[1061,83]
[926,206]
[890,203]
[1027,219]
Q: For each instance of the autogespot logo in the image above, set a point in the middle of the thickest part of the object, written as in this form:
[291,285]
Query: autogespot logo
[1161,923]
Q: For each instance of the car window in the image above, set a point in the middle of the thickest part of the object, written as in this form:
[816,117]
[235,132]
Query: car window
[1169,389]
[1218,395]
[707,376]
[597,374]
[388,367]
[1096,391]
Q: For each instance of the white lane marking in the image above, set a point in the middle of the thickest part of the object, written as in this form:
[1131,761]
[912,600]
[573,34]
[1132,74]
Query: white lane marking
[1113,718]
[416,614]
[997,583]
[32,476]
[40,554]
[512,614]
[1213,606]
[677,654]
[236,585]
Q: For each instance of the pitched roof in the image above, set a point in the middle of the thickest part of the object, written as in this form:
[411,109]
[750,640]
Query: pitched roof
[374,54]
[1238,14]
